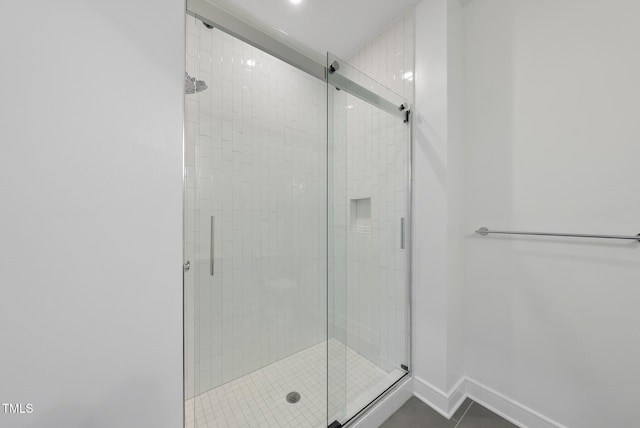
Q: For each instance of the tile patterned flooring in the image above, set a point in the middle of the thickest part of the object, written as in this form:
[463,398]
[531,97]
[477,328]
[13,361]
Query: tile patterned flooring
[259,398]
[415,414]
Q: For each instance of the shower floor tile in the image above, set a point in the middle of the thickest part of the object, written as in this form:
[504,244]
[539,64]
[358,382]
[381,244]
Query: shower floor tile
[259,398]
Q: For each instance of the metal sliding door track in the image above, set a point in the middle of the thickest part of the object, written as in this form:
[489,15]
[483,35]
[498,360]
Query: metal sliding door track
[237,22]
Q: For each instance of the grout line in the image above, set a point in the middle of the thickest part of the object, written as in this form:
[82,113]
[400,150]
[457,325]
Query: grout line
[464,414]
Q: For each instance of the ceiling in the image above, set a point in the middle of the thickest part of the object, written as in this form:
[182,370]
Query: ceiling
[337,26]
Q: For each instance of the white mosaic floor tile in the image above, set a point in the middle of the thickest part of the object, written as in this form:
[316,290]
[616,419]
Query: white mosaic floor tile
[259,398]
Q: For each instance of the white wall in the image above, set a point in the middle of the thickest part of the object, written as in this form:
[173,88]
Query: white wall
[437,178]
[552,145]
[91,218]
[537,130]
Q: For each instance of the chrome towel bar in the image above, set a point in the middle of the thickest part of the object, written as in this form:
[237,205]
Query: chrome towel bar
[484,232]
[212,246]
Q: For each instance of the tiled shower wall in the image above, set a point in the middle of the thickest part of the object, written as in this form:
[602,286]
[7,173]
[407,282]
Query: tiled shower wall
[256,161]
[377,158]
[389,57]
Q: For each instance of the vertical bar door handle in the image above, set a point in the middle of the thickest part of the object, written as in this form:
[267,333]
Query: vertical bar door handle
[402,233]
[212,246]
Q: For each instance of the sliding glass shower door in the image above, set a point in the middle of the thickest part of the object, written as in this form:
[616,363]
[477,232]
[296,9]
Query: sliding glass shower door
[368,278]
[255,236]
[296,238]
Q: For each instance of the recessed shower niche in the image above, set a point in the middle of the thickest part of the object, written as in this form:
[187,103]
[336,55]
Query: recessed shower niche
[360,215]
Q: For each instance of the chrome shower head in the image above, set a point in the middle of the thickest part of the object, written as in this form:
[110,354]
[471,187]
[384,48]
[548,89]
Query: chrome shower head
[193,86]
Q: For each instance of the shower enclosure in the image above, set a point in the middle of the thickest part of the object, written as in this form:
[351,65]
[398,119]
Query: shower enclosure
[297,195]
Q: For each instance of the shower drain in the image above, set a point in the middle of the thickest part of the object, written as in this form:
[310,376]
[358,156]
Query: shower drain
[293,397]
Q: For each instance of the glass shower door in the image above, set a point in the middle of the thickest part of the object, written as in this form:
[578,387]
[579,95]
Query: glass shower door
[255,236]
[368,278]
[296,228]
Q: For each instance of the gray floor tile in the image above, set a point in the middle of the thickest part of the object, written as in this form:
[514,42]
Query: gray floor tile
[480,417]
[462,409]
[415,414]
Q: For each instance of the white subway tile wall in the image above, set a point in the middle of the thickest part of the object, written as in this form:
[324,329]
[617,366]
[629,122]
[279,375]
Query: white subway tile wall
[255,161]
[389,56]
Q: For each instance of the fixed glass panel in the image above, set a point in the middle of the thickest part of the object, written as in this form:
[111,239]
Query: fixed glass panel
[369,161]
[336,258]
[255,218]
[189,218]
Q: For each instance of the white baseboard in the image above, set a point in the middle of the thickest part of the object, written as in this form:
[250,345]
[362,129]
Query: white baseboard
[444,403]
[447,403]
[380,411]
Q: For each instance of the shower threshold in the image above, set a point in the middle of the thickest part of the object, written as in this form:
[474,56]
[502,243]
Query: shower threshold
[259,399]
